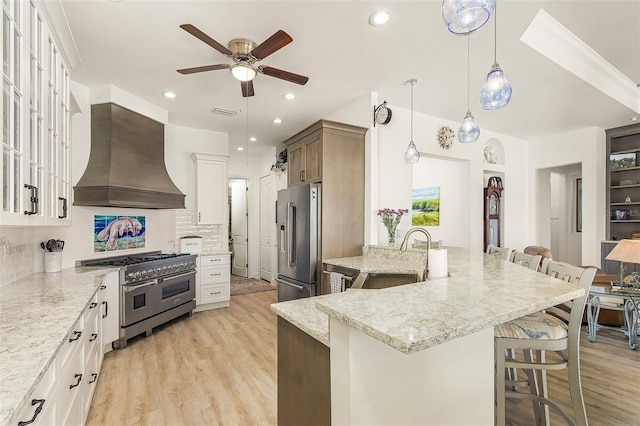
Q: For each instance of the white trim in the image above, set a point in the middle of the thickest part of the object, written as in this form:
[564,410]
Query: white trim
[58,24]
[550,38]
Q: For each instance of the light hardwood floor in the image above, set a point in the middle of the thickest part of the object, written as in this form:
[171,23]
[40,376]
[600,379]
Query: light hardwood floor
[219,367]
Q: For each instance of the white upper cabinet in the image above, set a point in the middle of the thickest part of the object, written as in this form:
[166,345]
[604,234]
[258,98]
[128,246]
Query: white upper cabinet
[36,143]
[211,189]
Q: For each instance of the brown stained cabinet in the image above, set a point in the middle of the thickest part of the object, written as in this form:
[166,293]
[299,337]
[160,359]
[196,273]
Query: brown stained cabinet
[332,154]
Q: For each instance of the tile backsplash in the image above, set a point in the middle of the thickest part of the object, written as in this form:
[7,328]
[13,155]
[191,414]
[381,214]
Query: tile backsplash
[16,254]
[213,236]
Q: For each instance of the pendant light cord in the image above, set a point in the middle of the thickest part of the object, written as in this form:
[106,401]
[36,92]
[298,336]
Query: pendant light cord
[412,83]
[468,66]
[495,34]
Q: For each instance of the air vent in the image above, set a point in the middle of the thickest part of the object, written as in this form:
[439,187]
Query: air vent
[222,111]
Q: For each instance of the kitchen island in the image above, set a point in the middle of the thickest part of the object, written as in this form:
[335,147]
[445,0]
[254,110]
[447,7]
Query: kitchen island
[416,354]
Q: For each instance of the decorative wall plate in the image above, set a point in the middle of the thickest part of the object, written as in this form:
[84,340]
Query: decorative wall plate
[489,155]
[445,137]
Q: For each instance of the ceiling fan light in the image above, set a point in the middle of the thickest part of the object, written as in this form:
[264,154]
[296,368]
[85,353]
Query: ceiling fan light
[243,72]
[496,91]
[466,16]
[469,130]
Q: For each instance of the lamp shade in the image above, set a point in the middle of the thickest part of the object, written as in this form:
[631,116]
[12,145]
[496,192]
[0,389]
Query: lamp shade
[469,130]
[627,251]
[496,91]
[243,72]
[466,16]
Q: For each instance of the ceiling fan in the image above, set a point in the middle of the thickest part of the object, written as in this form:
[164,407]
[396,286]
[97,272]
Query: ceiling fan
[245,53]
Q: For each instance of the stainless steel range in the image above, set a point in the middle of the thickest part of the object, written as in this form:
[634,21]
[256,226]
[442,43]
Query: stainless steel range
[155,288]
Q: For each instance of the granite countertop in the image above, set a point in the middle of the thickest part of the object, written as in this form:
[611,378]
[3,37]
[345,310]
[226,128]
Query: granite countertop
[379,259]
[481,292]
[36,314]
[303,314]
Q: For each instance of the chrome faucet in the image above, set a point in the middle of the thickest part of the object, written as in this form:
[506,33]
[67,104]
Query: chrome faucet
[405,243]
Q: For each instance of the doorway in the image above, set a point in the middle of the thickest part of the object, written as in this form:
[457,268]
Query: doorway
[238,227]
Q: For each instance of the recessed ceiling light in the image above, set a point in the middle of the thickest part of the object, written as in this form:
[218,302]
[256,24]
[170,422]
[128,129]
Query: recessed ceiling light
[252,139]
[634,118]
[277,121]
[379,17]
[289,96]
[240,148]
[169,95]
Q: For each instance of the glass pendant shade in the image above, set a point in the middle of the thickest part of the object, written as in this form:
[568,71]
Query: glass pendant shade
[496,91]
[469,130]
[411,156]
[243,72]
[466,16]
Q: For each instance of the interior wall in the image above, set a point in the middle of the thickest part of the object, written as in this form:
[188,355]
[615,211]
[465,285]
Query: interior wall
[452,177]
[586,147]
[162,226]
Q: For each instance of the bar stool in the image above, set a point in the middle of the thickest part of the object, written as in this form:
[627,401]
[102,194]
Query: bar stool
[555,330]
[526,260]
[501,252]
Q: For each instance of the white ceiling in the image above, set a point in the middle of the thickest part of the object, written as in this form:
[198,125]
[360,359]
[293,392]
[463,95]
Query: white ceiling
[138,46]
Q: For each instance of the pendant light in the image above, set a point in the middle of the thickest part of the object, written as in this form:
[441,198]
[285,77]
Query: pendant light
[411,156]
[496,91]
[466,16]
[469,130]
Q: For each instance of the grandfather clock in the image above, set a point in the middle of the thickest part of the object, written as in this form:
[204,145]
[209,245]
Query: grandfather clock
[492,219]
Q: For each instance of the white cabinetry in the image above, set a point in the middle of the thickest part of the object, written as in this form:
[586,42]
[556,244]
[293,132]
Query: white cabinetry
[63,395]
[213,282]
[211,188]
[35,173]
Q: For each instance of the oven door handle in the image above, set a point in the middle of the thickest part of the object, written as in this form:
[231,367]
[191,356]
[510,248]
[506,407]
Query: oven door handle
[130,288]
[173,277]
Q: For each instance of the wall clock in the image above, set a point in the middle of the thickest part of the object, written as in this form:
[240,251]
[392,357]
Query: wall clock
[381,114]
[445,137]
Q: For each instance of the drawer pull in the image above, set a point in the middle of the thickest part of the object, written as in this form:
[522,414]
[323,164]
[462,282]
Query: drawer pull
[94,336]
[79,377]
[215,260]
[216,275]
[76,336]
[94,377]
[217,292]
[93,305]
[106,309]
[38,410]
[102,287]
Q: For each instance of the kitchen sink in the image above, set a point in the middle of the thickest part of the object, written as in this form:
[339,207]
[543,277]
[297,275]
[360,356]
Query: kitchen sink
[385,280]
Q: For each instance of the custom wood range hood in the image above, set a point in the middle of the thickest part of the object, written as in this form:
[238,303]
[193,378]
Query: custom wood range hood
[126,164]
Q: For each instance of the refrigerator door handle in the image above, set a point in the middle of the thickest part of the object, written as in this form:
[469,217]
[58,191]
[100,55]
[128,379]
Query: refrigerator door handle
[299,287]
[291,211]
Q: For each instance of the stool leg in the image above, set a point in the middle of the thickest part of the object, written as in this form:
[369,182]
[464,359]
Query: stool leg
[575,388]
[499,360]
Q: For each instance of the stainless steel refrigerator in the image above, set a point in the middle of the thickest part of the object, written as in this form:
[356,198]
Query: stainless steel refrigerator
[298,227]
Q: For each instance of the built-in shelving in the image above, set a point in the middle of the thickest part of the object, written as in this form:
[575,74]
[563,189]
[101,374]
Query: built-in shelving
[623,200]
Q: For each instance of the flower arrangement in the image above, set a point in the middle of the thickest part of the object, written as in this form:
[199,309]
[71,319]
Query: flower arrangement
[391,219]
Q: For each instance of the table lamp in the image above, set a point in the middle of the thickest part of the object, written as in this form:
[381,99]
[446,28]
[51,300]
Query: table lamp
[626,251]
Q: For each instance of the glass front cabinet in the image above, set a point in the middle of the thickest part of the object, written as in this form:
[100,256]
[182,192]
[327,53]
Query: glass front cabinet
[36,134]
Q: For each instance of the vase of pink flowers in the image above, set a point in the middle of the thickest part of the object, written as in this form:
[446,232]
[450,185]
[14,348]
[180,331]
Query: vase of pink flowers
[391,219]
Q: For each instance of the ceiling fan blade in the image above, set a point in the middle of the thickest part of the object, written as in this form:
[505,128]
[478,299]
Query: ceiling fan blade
[202,36]
[276,42]
[247,88]
[284,75]
[203,68]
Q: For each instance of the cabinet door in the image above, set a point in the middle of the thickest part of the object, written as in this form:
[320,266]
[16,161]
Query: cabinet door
[212,192]
[313,160]
[295,158]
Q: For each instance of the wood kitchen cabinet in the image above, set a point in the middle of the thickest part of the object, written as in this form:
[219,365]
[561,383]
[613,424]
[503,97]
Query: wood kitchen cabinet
[211,189]
[332,154]
[325,147]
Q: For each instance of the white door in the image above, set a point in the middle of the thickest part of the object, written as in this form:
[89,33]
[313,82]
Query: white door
[267,219]
[239,220]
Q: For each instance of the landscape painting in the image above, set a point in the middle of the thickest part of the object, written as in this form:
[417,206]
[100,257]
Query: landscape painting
[425,206]
[113,233]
